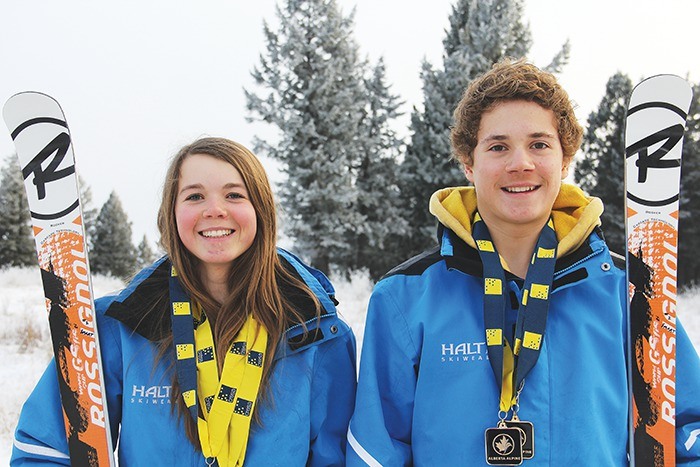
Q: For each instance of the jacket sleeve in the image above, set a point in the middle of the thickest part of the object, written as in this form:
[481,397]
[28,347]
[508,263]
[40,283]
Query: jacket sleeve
[687,401]
[332,398]
[40,437]
[380,428]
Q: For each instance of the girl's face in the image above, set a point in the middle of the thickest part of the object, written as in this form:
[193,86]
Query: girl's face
[215,218]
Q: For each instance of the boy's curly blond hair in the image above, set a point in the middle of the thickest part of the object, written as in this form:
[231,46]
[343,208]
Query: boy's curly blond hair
[510,80]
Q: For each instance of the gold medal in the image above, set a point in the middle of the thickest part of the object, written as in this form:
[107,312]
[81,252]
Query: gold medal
[528,432]
[504,445]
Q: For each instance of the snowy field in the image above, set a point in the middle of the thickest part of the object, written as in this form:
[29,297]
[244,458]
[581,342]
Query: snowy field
[25,341]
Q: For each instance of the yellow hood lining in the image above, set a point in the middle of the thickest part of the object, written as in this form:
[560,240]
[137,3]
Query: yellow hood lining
[575,215]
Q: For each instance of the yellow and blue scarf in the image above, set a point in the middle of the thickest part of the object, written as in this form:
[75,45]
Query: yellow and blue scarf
[221,406]
[512,363]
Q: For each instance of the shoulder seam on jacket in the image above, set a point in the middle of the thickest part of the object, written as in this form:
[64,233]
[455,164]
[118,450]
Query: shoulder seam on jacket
[416,265]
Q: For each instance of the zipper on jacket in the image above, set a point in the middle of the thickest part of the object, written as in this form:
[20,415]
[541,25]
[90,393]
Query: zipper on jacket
[592,254]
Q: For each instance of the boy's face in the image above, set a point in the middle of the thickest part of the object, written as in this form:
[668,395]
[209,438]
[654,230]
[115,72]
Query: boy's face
[517,165]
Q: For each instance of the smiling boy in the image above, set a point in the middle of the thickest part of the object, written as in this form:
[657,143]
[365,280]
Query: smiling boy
[507,342]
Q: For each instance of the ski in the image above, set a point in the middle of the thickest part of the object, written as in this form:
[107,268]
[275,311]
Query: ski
[654,130]
[40,133]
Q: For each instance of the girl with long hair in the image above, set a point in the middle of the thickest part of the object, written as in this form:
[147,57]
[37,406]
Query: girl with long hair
[226,351]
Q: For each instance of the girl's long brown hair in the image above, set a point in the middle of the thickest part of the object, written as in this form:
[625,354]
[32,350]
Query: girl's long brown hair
[253,279]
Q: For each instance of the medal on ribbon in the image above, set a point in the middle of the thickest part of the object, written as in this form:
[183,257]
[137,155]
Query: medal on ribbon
[504,445]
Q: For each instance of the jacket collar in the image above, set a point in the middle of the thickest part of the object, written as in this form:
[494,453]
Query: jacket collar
[144,305]
[462,257]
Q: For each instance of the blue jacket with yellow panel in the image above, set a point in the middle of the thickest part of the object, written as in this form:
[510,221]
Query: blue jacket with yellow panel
[304,422]
[427,392]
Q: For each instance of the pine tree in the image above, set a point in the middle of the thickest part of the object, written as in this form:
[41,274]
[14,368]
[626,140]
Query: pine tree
[688,225]
[112,252]
[16,240]
[601,171]
[480,34]
[88,210]
[379,199]
[314,94]
[144,254]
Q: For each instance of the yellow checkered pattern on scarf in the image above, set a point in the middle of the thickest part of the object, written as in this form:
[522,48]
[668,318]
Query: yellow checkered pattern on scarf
[492,286]
[485,245]
[539,291]
[181,308]
[545,252]
[532,340]
[494,336]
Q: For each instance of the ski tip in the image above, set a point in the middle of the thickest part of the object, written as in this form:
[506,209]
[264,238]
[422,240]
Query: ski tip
[21,107]
[24,96]
[28,93]
[664,78]
[671,89]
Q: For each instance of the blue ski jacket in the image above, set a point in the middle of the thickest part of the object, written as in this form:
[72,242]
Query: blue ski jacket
[304,422]
[427,392]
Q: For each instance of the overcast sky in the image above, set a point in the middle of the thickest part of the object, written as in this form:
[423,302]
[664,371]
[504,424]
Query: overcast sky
[139,79]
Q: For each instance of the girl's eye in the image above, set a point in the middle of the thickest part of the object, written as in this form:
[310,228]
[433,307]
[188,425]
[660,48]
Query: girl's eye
[193,197]
[235,195]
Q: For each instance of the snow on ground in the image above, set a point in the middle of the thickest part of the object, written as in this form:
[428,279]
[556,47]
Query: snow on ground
[25,341]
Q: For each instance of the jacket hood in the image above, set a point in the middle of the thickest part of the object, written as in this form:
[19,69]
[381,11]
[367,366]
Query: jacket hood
[575,214]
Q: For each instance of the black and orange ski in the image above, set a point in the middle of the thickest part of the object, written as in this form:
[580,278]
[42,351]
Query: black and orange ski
[654,131]
[40,133]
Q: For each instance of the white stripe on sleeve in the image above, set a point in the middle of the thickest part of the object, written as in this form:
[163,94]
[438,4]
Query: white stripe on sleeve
[361,452]
[40,450]
[691,439]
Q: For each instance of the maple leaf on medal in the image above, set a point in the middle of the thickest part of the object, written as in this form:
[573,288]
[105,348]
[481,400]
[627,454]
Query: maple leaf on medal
[503,444]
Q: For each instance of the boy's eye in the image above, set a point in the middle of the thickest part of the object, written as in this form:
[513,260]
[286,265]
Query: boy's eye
[497,148]
[540,145]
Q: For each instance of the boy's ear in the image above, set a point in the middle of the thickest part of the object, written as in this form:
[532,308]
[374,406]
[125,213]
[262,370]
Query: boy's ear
[469,172]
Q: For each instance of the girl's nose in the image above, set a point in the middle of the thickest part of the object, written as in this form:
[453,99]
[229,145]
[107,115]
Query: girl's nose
[214,209]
